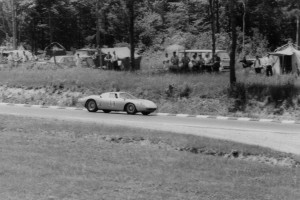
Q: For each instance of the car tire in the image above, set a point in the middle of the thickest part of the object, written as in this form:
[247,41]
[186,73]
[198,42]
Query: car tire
[106,111]
[145,113]
[130,109]
[91,106]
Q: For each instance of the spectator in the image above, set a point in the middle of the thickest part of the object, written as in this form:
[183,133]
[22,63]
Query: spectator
[246,65]
[108,59]
[114,61]
[95,59]
[24,57]
[217,63]
[17,59]
[200,61]
[175,62]
[194,63]
[207,60]
[78,60]
[10,60]
[244,62]
[257,65]
[166,61]
[207,63]
[185,62]
[269,65]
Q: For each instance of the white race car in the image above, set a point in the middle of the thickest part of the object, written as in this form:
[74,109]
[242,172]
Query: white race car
[117,101]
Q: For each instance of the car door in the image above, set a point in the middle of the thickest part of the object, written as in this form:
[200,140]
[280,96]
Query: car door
[119,102]
[104,103]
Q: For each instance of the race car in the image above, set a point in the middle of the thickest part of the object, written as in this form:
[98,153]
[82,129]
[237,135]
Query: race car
[117,101]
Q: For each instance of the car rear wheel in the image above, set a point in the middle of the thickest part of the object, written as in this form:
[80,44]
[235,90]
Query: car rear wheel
[130,109]
[145,113]
[106,111]
[91,106]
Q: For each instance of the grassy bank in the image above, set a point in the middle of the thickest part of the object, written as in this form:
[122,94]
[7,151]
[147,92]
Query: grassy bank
[60,160]
[254,96]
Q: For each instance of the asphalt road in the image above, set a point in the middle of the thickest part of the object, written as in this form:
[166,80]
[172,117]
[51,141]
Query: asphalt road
[281,137]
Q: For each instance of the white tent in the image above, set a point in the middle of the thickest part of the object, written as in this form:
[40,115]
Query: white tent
[286,59]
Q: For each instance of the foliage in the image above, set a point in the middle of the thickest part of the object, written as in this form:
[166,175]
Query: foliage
[268,23]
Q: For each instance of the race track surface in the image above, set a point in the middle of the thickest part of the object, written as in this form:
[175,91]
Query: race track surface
[278,136]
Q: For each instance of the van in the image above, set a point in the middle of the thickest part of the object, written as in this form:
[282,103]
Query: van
[225,59]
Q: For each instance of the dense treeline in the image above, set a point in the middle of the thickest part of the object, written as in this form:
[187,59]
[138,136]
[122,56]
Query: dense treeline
[266,23]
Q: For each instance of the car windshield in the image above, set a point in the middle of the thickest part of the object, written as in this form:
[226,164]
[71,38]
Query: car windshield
[127,96]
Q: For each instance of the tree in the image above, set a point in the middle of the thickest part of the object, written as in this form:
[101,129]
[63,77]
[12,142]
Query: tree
[232,9]
[292,10]
[131,7]
[212,17]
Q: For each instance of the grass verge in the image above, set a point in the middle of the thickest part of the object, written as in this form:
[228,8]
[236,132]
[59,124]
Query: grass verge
[49,159]
[253,96]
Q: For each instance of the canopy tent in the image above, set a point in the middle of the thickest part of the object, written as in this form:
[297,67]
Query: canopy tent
[286,59]
[123,54]
[55,49]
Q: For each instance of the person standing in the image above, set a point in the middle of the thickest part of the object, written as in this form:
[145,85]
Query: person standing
[108,59]
[194,63]
[78,60]
[114,61]
[95,60]
[24,57]
[175,62]
[17,59]
[217,63]
[185,62]
[269,65]
[10,60]
[166,62]
[207,63]
[257,65]
[200,62]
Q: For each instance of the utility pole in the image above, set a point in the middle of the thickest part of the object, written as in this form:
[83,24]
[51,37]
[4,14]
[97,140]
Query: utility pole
[98,32]
[14,24]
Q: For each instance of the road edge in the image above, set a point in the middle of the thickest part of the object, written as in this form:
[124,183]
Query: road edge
[169,114]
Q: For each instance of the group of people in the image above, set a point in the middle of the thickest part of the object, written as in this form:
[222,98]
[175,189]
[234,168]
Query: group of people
[194,64]
[259,66]
[14,59]
[111,61]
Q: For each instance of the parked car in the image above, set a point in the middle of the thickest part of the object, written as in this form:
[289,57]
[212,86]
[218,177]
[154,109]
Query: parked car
[117,101]
[225,59]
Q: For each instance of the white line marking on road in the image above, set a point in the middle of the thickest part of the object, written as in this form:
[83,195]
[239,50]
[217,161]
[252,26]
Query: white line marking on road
[182,115]
[266,120]
[243,119]
[222,117]
[162,114]
[202,116]
[288,122]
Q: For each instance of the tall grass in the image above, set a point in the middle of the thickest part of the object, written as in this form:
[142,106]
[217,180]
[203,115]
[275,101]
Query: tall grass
[176,93]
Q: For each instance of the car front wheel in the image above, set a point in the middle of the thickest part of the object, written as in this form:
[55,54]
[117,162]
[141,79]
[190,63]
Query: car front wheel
[91,106]
[130,109]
